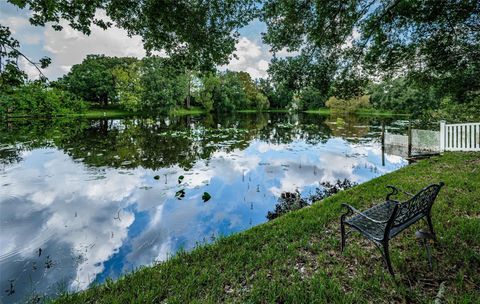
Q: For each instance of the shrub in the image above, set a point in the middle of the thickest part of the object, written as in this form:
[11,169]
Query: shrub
[35,99]
[348,105]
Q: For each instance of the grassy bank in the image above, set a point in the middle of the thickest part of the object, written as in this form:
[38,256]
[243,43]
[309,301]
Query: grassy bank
[191,111]
[109,112]
[296,259]
[263,111]
[114,112]
[322,111]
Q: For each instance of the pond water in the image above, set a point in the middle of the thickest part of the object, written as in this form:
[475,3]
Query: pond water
[83,200]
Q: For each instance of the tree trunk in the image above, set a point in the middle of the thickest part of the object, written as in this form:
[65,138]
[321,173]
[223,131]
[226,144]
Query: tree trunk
[187,101]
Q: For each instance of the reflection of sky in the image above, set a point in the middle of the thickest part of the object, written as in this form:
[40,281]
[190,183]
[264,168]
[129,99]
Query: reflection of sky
[94,223]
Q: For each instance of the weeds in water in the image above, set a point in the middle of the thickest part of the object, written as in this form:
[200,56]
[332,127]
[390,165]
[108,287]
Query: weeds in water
[290,201]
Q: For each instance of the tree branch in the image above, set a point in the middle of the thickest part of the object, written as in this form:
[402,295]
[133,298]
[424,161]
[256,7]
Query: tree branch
[30,61]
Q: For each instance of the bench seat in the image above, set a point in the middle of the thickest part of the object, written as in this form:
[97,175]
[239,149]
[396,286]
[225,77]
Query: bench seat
[384,221]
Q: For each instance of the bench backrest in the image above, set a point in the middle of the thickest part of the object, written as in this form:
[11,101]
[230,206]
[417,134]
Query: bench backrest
[420,203]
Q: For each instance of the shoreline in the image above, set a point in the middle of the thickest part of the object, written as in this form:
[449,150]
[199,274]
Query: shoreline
[296,257]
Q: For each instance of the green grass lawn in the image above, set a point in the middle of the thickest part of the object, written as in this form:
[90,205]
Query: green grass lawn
[190,111]
[323,111]
[263,111]
[108,112]
[296,258]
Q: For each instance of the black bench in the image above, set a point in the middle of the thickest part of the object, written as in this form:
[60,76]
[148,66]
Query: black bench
[384,221]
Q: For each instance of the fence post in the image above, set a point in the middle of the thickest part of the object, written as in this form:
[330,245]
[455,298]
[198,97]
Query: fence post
[409,139]
[442,136]
[383,143]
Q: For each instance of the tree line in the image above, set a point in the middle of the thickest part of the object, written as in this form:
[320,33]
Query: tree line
[408,56]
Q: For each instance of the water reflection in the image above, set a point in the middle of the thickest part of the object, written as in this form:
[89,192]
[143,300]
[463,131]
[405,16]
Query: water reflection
[90,199]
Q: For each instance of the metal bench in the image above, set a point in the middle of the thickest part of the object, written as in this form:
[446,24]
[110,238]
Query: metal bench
[384,221]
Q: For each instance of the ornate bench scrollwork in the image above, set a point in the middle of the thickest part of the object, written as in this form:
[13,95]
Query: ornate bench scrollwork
[384,221]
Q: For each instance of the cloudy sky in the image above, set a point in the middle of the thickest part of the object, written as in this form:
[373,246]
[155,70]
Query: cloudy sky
[69,47]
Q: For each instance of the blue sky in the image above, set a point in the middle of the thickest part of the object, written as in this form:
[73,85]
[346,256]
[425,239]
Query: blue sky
[69,47]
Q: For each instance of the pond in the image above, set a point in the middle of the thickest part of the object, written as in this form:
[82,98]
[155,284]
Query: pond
[83,200]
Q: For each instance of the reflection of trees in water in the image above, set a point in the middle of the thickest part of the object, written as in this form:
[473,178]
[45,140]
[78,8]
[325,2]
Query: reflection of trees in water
[290,201]
[20,135]
[352,127]
[165,142]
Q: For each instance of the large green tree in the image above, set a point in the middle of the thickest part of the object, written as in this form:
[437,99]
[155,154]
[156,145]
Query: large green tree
[198,33]
[94,79]
[430,40]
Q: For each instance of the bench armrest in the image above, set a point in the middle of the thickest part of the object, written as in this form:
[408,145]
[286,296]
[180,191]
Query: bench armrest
[395,190]
[353,210]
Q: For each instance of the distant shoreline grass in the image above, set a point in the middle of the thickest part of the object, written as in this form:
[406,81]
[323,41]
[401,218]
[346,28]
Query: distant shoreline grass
[112,112]
[115,112]
[296,258]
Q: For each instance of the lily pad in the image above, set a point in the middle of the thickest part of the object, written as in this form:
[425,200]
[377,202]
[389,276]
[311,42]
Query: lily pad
[180,194]
[206,197]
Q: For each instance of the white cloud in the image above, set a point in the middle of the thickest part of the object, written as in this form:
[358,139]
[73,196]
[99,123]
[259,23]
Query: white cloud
[69,47]
[16,24]
[251,57]
[285,53]
[31,39]
[263,65]
[28,68]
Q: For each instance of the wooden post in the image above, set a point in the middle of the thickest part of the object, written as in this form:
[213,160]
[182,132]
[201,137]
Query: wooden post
[383,143]
[442,136]
[409,139]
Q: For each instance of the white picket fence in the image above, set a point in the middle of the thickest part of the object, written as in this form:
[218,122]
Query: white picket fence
[460,137]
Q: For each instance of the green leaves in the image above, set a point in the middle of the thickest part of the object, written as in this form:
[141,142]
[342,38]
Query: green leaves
[94,79]
[340,45]
[45,62]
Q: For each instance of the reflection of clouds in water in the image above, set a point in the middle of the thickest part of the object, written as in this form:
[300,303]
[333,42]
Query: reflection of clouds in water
[263,147]
[63,213]
[97,222]
[336,159]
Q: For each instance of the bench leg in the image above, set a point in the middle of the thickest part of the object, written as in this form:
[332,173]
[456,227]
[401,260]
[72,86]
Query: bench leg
[430,226]
[342,230]
[386,256]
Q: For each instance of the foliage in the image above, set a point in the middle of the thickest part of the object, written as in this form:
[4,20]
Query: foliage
[343,44]
[36,99]
[288,201]
[296,258]
[278,95]
[94,80]
[328,189]
[312,98]
[128,86]
[402,95]
[210,87]
[255,98]
[348,105]
[456,112]
[164,87]
[291,201]
[160,84]
[336,49]
[230,91]
[200,34]
[10,73]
